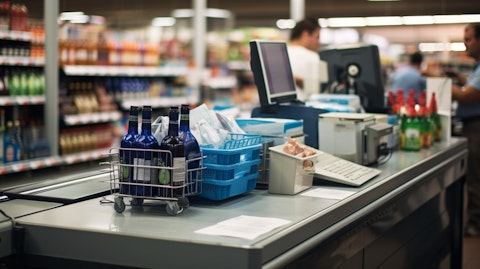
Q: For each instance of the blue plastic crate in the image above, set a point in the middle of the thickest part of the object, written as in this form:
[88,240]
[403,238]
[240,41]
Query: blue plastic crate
[223,189]
[231,171]
[238,148]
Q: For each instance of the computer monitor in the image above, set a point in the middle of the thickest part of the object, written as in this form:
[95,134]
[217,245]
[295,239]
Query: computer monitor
[356,70]
[272,72]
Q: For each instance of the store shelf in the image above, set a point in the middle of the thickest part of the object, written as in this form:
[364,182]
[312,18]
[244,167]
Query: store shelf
[90,118]
[21,61]
[15,35]
[22,100]
[239,65]
[124,71]
[224,82]
[159,102]
[53,161]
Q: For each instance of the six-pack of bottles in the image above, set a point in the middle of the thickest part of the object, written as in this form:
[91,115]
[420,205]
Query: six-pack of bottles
[147,162]
[420,125]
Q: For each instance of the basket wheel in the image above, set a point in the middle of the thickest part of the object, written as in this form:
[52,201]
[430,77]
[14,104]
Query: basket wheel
[183,202]
[173,208]
[119,205]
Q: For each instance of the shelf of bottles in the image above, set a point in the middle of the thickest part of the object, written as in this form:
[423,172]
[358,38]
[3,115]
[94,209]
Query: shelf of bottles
[125,71]
[21,100]
[91,118]
[52,161]
[22,86]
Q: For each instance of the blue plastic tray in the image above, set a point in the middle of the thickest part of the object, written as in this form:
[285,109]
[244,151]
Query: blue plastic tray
[223,189]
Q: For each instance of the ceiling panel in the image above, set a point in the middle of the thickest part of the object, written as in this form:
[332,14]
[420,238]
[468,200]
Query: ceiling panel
[264,13]
[129,13]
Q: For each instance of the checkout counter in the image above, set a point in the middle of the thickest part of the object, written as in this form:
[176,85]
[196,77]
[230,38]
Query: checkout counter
[410,216]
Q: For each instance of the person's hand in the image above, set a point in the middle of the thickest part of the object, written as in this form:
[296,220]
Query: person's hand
[456,76]
[451,73]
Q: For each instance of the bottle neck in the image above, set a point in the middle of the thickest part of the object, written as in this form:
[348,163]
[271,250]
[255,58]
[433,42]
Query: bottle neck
[173,123]
[133,127]
[147,122]
[184,122]
[173,128]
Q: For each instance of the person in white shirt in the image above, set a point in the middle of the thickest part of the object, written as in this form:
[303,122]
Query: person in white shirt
[303,49]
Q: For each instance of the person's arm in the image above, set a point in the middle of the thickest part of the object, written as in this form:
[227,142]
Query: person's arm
[298,81]
[465,95]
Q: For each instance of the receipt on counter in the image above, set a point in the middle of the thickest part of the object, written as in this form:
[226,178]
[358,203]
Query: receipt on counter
[247,227]
[328,193]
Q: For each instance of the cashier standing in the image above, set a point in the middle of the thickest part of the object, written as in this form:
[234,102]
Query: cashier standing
[303,53]
[468,97]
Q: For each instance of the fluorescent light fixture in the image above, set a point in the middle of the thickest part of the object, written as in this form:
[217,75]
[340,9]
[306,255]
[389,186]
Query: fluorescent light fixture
[210,13]
[80,19]
[446,19]
[417,20]
[433,47]
[163,21]
[285,23]
[323,22]
[383,21]
[397,20]
[182,13]
[347,22]
[218,13]
[68,16]
[457,46]
[429,47]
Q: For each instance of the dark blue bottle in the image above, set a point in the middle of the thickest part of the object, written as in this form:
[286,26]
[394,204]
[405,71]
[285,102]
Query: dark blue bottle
[192,149]
[174,144]
[144,142]
[126,155]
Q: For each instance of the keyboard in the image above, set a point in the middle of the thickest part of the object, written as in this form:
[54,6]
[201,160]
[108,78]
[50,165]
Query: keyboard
[336,169]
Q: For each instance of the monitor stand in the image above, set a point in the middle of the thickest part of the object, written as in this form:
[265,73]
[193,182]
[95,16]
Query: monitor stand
[294,111]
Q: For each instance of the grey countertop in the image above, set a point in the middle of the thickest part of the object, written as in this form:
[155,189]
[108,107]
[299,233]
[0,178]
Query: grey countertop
[147,236]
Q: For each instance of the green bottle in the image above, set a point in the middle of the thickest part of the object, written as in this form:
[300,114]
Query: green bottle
[411,129]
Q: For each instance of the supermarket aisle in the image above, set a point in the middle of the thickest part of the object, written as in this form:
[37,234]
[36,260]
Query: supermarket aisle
[471,252]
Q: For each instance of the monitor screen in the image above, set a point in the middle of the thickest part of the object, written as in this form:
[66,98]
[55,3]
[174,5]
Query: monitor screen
[272,72]
[356,70]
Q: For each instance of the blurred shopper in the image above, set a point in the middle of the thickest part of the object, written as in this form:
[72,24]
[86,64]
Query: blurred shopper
[467,94]
[410,76]
[303,53]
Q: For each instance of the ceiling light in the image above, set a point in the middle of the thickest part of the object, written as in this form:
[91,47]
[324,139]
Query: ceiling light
[209,12]
[457,46]
[80,19]
[346,22]
[432,47]
[383,21]
[182,13]
[417,20]
[285,23]
[446,19]
[163,21]
[217,13]
[67,16]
